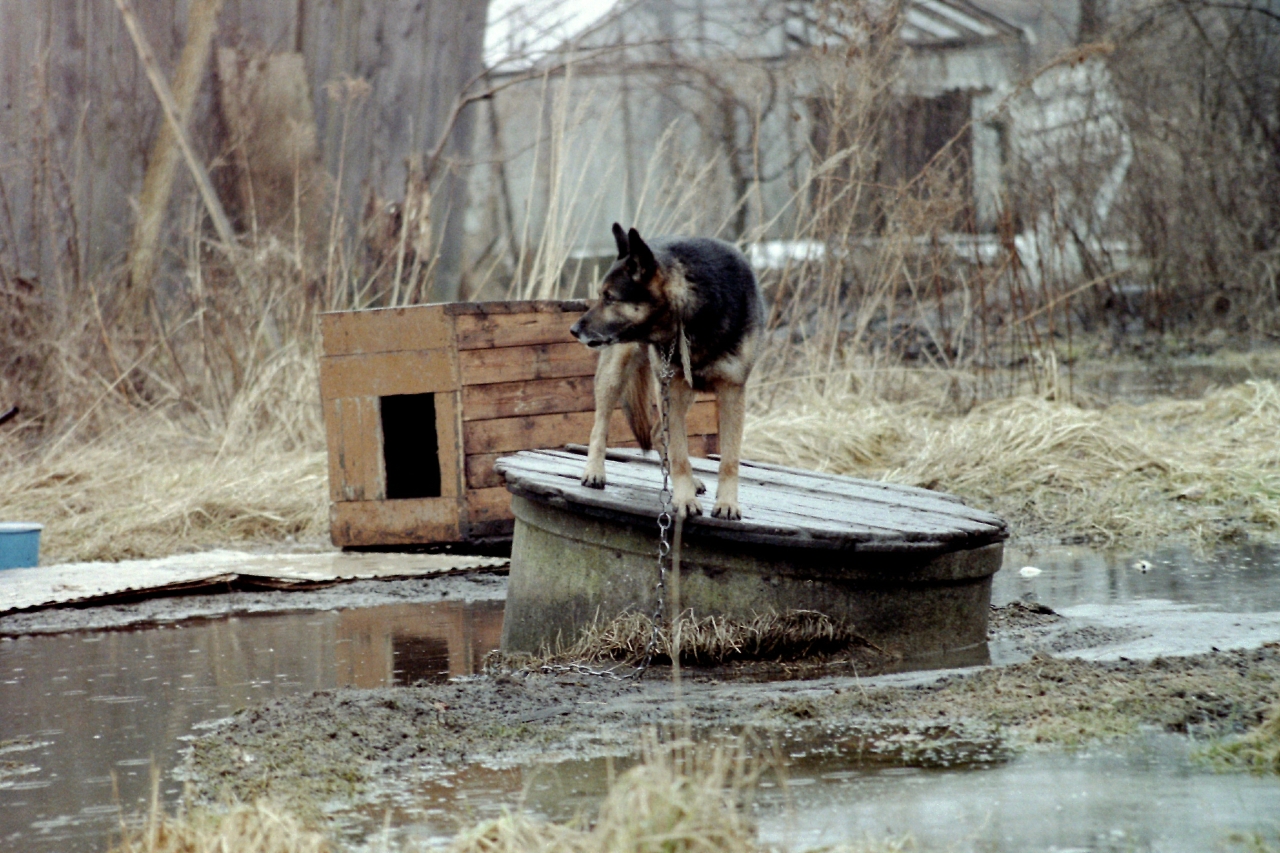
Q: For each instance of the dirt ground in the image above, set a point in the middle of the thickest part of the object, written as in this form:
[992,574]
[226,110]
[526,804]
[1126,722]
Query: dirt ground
[340,747]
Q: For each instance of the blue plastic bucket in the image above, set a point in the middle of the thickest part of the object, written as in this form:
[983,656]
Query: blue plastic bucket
[19,544]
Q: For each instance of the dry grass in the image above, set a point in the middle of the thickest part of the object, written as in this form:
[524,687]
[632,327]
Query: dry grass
[258,828]
[682,797]
[1203,470]
[706,640]
[1257,751]
[157,483]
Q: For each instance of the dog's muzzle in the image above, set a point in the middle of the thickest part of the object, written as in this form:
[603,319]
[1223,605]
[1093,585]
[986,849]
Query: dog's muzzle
[585,337]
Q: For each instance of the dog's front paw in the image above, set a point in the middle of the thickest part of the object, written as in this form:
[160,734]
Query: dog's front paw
[726,510]
[684,499]
[699,486]
[593,477]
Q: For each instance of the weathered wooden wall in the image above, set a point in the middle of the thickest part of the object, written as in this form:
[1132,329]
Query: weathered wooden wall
[78,116]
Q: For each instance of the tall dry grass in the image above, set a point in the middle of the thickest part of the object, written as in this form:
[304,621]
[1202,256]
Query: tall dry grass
[895,349]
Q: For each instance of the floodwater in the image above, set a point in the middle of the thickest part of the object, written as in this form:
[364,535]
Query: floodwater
[87,715]
[1145,794]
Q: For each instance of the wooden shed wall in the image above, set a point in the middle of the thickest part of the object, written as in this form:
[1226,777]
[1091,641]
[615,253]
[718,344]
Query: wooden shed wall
[78,116]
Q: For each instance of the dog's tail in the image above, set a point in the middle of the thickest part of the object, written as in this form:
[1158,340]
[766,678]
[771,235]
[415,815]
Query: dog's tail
[639,399]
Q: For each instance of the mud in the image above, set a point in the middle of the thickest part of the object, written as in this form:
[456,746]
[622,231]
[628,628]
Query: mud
[333,750]
[473,586]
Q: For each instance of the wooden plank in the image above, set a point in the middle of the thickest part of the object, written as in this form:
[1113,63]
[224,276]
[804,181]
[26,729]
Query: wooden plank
[492,504]
[383,374]
[837,487]
[449,444]
[823,515]
[354,428]
[533,397]
[481,473]
[513,364]
[481,331]
[417,327]
[408,522]
[761,506]
[519,306]
[556,430]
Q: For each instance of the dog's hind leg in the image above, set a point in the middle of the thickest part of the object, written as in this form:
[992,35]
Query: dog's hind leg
[733,405]
[612,372]
[684,489]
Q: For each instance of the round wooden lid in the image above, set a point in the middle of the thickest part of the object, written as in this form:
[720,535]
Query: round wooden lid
[780,506]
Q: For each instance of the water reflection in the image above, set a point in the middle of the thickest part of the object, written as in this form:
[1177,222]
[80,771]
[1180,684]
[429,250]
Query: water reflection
[1243,579]
[81,709]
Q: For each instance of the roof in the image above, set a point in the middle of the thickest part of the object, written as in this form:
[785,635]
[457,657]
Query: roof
[947,23]
[773,29]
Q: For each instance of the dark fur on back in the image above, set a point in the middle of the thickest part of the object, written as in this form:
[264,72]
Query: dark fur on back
[725,299]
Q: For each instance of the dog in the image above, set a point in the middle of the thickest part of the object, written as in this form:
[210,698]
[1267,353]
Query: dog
[692,302]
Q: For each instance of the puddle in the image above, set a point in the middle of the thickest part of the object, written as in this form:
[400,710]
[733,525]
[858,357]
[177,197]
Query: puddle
[84,708]
[1143,794]
[1244,579]
[88,707]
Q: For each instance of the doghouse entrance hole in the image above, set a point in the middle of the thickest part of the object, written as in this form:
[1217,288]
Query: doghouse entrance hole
[410,447]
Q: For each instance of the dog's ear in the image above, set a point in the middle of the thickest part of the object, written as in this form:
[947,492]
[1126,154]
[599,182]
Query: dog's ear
[620,237]
[640,252]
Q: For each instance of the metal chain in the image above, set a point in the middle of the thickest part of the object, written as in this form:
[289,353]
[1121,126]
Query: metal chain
[666,499]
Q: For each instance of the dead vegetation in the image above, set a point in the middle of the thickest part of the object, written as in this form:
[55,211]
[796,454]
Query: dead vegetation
[188,416]
[701,641]
[1257,751]
[681,797]
[1205,469]
[260,827]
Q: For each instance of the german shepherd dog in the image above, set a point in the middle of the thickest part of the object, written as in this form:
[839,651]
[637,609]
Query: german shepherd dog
[694,303]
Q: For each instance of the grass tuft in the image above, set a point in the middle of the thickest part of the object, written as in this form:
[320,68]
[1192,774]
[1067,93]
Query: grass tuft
[1257,751]
[258,828]
[708,640]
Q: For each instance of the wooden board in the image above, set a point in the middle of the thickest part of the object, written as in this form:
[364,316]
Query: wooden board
[417,327]
[781,506]
[387,373]
[531,397]
[537,361]
[482,475]
[481,331]
[490,504]
[405,522]
[517,306]
[556,430]
[354,429]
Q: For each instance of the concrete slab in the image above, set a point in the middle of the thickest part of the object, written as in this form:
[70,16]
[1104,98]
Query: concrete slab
[93,583]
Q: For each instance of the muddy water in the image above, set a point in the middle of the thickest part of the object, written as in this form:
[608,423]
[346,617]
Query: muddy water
[83,711]
[1243,579]
[85,716]
[1145,794]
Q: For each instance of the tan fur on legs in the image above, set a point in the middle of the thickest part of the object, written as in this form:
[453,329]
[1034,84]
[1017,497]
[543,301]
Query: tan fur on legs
[733,408]
[684,491]
[615,367]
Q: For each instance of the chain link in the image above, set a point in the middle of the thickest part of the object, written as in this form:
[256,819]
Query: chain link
[666,512]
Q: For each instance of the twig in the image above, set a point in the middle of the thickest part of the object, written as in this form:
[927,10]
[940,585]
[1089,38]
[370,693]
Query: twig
[9,415]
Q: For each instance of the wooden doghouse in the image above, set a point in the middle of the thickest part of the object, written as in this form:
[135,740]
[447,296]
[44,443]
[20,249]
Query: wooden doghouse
[420,401]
